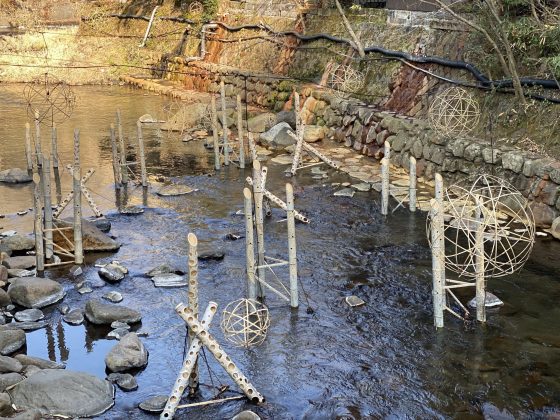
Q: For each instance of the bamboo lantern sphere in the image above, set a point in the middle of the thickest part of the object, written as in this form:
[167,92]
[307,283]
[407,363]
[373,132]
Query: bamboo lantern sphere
[506,220]
[454,113]
[245,322]
[49,100]
[345,81]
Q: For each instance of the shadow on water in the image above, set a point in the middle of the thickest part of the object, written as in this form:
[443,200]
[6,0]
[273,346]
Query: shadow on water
[382,360]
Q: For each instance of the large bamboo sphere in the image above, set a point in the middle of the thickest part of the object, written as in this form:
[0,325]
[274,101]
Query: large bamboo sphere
[454,113]
[50,99]
[502,214]
[345,81]
[245,322]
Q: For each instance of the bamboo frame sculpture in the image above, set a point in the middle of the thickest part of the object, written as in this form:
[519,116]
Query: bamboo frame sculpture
[245,322]
[454,113]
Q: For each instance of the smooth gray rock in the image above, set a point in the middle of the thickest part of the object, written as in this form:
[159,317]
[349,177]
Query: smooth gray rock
[26,325]
[63,392]
[491,301]
[154,404]
[30,370]
[18,243]
[28,415]
[3,273]
[9,379]
[119,324]
[98,312]
[63,308]
[555,229]
[102,224]
[124,381]
[131,210]
[113,296]
[246,415]
[9,364]
[76,270]
[35,292]
[164,268]
[287,117]
[117,333]
[278,136]
[169,280]
[345,192]
[19,273]
[129,353]
[29,315]
[85,289]
[26,360]
[15,176]
[24,262]
[261,123]
[113,272]
[74,317]
[11,340]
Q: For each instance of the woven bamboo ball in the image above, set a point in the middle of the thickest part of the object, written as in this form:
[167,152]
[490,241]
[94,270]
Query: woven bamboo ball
[245,322]
[345,81]
[454,113]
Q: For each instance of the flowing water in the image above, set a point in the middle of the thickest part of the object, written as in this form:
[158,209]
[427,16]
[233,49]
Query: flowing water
[324,360]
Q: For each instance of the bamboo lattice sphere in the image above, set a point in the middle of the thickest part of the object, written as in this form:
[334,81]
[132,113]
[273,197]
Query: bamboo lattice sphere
[245,322]
[506,221]
[454,113]
[52,99]
[345,81]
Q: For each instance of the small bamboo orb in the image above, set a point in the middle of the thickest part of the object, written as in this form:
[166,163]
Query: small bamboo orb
[345,81]
[245,322]
[454,113]
[501,216]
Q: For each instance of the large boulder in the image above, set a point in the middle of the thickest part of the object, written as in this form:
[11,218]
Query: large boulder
[287,117]
[15,176]
[11,340]
[18,243]
[278,136]
[35,292]
[99,313]
[261,123]
[93,239]
[129,353]
[26,360]
[63,392]
[9,379]
[313,133]
[9,364]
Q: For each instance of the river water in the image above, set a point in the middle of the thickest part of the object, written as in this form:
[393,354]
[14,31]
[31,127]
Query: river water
[324,360]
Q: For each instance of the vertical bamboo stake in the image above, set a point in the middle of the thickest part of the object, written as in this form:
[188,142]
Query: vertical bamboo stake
[384,186]
[193,300]
[480,281]
[124,167]
[188,364]
[240,133]
[438,188]
[47,203]
[38,148]
[28,153]
[217,162]
[224,123]
[299,135]
[249,244]
[54,146]
[257,192]
[438,261]
[387,151]
[292,252]
[412,185]
[296,112]
[38,225]
[252,148]
[78,246]
[115,153]
[141,156]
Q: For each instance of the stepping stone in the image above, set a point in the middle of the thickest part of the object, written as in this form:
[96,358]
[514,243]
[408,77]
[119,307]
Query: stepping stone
[23,263]
[113,272]
[11,340]
[169,280]
[232,237]
[85,289]
[124,381]
[154,404]
[98,313]
[31,315]
[114,297]
[63,308]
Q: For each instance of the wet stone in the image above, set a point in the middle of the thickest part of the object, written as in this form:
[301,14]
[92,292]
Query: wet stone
[118,333]
[233,237]
[23,263]
[363,186]
[19,273]
[118,324]
[214,255]
[35,292]
[27,325]
[98,312]
[114,297]
[85,289]
[354,301]
[102,224]
[9,379]
[169,280]
[31,370]
[154,404]
[31,315]
[11,340]
[246,415]
[491,301]
[124,381]
[113,272]
[76,270]
[9,364]
[163,269]
[26,360]
[345,192]
[129,353]
[63,308]
[74,317]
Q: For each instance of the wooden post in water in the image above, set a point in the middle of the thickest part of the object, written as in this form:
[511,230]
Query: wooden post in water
[77,185]
[38,225]
[54,145]
[141,155]
[115,154]
[193,301]
[480,281]
[224,123]
[215,136]
[47,203]
[259,220]
[252,148]
[385,186]
[438,188]
[28,153]
[240,133]
[299,136]
[292,251]
[412,185]
[438,261]
[38,148]
[387,150]
[249,244]
[124,167]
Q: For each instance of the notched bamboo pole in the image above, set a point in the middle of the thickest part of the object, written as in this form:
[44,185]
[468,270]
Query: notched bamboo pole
[47,200]
[479,263]
[249,244]
[259,220]
[240,133]
[224,123]
[385,186]
[141,155]
[438,261]
[54,145]
[124,167]
[292,251]
[78,246]
[215,136]
[28,152]
[412,185]
[38,225]
[193,299]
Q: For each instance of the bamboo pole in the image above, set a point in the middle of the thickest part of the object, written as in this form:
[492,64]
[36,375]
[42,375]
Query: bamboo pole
[115,154]
[150,23]
[211,402]
[38,225]
[412,185]
[438,188]
[54,145]
[297,112]
[249,244]
[47,203]
[387,150]
[240,133]
[141,155]
[189,363]
[350,30]
[70,195]
[124,167]
[252,147]
[292,251]
[38,148]
[480,280]
[384,186]
[224,123]
[78,246]
[320,155]
[300,128]
[258,196]
[221,356]
[438,261]
[217,159]
[193,300]
[28,153]
[438,185]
